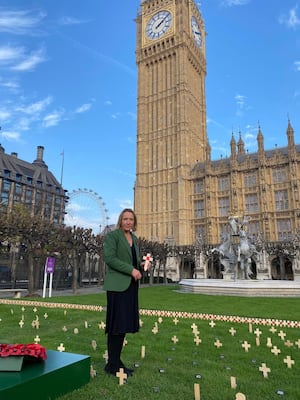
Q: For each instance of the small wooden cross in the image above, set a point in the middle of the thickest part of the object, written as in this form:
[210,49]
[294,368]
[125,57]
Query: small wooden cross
[250,328]
[143,349]
[101,325]
[282,335]
[148,259]
[273,329]
[197,340]
[21,323]
[233,382]
[194,326]
[61,347]
[105,356]
[240,396]
[197,391]
[257,340]
[297,343]
[94,345]
[269,342]
[275,351]
[218,344]
[232,331]
[155,330]
[212,324]
[93,372]
[288,343]
[265,370]
[37,339]
[175,339]
[257,332]
[246,346]
[122,376]
[288,361]
[175,320]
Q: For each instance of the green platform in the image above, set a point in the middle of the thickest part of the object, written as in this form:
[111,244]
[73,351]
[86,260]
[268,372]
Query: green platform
[61,373]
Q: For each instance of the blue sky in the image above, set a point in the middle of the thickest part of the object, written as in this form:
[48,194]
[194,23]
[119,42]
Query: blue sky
[68,82]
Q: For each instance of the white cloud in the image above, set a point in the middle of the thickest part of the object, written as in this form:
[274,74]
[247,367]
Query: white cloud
[83,108]
[10,84]
[70,21]
[31,61]
[53,119]
[231,3]
[9,54]
[132,115]
[37,107]
[4,115]
[240,100]
[297,65]
[19,22]
[291,20]
[10,135]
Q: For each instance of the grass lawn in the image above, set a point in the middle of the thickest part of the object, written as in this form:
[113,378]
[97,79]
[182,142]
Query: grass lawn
[169,370]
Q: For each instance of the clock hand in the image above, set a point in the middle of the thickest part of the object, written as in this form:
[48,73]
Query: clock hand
[161,21]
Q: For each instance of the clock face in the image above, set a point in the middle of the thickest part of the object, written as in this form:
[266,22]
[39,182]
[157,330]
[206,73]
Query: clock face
[196,31]
[158,24]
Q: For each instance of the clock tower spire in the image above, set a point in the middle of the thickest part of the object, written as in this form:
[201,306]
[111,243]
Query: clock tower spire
[171,125]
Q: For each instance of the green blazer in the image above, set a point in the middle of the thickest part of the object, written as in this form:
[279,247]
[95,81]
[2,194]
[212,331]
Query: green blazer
[118,259]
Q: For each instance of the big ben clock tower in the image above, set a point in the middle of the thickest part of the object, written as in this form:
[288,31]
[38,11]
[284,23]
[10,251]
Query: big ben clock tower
[171,126]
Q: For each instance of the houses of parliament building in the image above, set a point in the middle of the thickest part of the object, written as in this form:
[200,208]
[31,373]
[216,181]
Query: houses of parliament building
[180,192]
[181,195]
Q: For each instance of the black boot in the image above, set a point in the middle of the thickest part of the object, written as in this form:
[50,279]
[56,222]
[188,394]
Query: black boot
[113,349]
[128,371]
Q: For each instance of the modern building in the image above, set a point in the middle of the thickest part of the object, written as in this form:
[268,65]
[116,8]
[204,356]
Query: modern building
[180,192]
[32,185]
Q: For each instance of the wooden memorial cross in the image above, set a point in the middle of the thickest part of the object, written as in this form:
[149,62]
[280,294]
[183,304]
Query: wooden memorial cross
[197,391]
[289,361]
[257,332]
[265,370]
[246,346]
[122,376]
[282,335]
[275,351]
[175,339]
[232,331]
[218,344]
[148,259]
[197,340]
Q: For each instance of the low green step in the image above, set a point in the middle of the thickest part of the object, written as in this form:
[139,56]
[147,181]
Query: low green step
[59,374]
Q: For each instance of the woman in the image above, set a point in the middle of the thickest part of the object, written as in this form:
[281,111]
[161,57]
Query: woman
[122,257]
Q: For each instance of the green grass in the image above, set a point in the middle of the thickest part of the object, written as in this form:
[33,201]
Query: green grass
[170,370]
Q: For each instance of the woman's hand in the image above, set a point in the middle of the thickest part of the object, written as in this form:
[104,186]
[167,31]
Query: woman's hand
[136,274]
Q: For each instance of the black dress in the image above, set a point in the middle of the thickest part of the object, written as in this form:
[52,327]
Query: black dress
[122,315]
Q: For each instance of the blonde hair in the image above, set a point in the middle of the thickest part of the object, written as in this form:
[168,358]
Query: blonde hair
[119,223]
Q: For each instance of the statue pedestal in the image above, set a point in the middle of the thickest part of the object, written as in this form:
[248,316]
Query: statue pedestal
[297,277]
[228,276]
[261,276]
